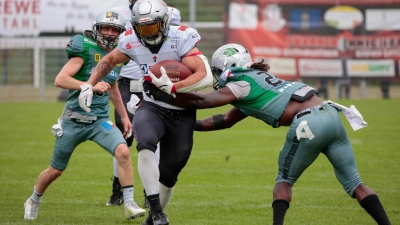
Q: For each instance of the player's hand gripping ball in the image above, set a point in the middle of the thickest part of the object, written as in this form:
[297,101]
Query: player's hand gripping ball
[176,71]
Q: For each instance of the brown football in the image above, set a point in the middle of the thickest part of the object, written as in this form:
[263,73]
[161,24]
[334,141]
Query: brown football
[176,70]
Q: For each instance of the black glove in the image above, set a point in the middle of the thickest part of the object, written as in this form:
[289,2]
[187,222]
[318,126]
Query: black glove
[153,92]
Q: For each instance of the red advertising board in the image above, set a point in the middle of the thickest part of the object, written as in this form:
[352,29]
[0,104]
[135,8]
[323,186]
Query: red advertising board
[318,38]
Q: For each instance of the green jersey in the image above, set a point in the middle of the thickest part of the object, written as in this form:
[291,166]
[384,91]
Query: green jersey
[268,96]
[86,48]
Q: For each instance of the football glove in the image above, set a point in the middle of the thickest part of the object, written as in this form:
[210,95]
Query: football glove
[133,104]
[163,83]
[85,97]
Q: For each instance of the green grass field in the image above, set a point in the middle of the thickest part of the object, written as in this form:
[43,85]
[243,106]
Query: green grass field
[211,190]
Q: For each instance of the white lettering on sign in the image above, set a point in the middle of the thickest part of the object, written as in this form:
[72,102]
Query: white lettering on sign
[33,17]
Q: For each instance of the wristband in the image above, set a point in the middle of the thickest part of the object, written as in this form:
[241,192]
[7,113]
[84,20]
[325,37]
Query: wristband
[198,126]
[219,122]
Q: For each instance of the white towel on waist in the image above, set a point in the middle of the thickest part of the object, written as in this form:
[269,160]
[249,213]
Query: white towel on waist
[352,115]
[57,129]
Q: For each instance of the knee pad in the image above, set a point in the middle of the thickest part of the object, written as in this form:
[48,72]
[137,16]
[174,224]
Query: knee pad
[167,179]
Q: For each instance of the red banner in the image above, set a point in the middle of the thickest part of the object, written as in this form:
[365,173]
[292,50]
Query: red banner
[318,38]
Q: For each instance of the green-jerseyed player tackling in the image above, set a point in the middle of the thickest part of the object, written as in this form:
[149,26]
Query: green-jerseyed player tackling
[314,125]
[77,126]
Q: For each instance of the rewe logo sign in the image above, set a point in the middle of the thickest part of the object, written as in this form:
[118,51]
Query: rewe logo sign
[32,17]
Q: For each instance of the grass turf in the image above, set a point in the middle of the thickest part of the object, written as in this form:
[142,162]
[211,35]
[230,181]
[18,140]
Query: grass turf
[228,179]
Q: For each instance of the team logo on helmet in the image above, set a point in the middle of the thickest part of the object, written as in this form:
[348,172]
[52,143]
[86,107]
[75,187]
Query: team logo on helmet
[112,15]
[228,52]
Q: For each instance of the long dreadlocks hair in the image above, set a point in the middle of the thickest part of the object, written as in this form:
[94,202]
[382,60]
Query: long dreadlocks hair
[260,66]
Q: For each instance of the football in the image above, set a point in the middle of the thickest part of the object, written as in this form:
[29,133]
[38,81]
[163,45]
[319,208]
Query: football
[176,70]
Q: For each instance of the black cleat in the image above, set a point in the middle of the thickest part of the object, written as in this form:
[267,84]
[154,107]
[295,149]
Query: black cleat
[148,220]
[159,217]
[117,198]
[156,218]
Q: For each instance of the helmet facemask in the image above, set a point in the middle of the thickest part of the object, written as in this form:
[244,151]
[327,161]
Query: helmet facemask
[216,73]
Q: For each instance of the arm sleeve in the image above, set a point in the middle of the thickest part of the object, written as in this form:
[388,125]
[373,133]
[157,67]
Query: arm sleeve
[240,89]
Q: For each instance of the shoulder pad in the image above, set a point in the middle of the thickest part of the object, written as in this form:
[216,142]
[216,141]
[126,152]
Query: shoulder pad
[75,44]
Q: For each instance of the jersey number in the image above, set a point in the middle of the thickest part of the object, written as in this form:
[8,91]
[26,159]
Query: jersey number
[268,79]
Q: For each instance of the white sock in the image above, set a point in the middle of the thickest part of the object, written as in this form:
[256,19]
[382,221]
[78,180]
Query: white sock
[115,162]
[128,193]
[165,195]
[148,171]
[36,197]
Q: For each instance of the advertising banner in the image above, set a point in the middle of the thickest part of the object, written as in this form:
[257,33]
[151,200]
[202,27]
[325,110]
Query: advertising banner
[32,18]
[319,36]
[370,68]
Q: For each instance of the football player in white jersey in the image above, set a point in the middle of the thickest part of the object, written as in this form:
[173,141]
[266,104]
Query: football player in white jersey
[130,82]
[153,40]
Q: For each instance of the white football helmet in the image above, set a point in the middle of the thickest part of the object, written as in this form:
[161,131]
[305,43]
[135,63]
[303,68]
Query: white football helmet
[108,18]
[150,21]
[229,55]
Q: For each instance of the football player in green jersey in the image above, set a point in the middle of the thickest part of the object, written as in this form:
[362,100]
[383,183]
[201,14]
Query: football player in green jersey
[76,126]
[315,125]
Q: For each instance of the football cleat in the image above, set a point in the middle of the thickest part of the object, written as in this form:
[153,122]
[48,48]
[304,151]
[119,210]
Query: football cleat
[31,209]
[132,211]
[149,220]
[117,197]
[159,217]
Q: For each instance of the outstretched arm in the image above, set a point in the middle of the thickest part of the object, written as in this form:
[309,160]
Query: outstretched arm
[220,121]
[212,99]
[106,64]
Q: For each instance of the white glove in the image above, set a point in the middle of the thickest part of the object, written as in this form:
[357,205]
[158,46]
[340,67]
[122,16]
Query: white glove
[133,104]
[163,83]
[85,97]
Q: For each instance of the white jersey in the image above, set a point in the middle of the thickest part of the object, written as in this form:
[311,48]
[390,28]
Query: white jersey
[131,70]
[179,42]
